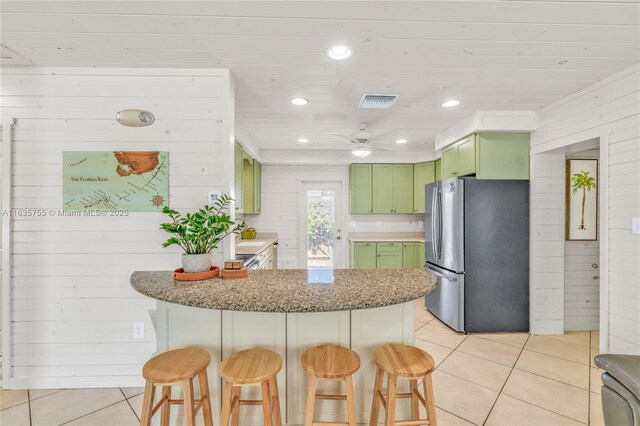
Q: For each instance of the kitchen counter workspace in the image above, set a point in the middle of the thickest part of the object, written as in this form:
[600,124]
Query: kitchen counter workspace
[289,311]
[256,245]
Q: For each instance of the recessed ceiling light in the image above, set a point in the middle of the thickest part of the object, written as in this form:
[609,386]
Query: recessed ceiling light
[299,101]
[303,140]
[450,103]
[401,141]
[339,52]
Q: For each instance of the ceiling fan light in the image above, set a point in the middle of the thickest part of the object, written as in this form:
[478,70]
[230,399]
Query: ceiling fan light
[361,151]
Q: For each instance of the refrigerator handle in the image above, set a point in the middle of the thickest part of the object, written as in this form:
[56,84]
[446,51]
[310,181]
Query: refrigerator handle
[433,223]
[439,225]
[442,274]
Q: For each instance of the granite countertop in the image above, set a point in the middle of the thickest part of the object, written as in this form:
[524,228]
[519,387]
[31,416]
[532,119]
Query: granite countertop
[291,290]
[257,245]
[390,237]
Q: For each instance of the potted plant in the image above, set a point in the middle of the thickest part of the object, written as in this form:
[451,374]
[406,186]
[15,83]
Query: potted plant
[199,233]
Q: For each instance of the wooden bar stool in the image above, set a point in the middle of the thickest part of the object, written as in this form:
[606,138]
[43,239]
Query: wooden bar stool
[173,367]
[330,362]
[252,367]
[403,362]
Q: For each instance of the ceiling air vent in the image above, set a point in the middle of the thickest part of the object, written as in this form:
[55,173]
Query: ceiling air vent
[369,100]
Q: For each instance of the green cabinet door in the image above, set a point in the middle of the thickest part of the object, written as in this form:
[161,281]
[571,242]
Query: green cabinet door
[410,256]
[382,188]
[403,188]
[237,177]
[247,184]
[420,264]
[423,174]
[449,161]
[389,255]
[257,187]
[364,256]
[360,188]
[438,167]
[503,155]
[466,156]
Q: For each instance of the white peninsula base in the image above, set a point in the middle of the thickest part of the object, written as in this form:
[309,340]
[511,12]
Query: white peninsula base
[288,334]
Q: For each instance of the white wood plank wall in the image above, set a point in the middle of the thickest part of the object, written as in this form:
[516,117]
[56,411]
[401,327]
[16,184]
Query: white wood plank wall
[280,209]
[610,110]
[72,305]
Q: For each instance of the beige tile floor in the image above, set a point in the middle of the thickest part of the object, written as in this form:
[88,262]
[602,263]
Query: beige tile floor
[482,379]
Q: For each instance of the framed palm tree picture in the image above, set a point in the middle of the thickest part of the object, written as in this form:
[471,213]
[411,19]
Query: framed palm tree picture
[581,200]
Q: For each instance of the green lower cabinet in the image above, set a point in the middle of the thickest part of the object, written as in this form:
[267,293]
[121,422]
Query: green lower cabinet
[412,255]
[389,256]
[364,256]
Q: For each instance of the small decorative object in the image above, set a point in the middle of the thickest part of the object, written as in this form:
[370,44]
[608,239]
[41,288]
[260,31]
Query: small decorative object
[233,264]
[199,233]
[582,200]
[249,234]
[180,275]
[235,274]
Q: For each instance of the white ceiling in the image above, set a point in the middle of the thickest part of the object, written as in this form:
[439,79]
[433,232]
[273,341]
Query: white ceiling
[507,55]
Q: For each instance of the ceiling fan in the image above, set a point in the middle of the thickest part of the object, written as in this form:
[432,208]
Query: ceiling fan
[363,141]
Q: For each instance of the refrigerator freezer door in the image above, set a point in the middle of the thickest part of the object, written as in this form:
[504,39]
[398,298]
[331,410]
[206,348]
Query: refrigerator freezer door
[446,301]
[450,241]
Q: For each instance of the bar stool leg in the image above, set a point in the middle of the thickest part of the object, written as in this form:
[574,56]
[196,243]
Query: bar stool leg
[391,401]
[351,400]
[147,404]
[415,402]
[165,414]
[266,403]
[203,382]
[430,401]
[235,409]
[226,403]
[375,404]
[275,401]
[189,414]
[311,399]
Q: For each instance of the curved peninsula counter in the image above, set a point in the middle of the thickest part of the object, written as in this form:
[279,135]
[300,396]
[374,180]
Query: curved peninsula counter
[289,311]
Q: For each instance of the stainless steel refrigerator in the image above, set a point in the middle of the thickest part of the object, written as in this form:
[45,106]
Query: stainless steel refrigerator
[477,244]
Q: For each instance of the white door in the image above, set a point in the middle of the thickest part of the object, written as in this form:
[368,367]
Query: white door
[320,225]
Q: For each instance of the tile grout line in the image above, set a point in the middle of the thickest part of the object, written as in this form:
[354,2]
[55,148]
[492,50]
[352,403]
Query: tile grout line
[29,402]
[505,382]
[95,411]
[130,406]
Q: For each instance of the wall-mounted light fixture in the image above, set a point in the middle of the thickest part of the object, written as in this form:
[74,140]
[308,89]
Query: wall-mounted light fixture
[135,118]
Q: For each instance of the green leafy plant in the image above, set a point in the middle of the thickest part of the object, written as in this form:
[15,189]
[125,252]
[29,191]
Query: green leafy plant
[582,181]
[202,231]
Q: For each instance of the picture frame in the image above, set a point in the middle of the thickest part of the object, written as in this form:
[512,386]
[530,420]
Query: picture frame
[581,193]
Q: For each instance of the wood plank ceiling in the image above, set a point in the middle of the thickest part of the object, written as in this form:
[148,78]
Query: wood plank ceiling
[512,55]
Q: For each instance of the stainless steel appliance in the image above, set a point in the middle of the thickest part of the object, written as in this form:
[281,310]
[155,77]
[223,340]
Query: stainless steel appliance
[477,244]
[250,260]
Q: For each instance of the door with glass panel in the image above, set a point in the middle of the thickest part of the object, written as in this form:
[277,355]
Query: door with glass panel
[320,225]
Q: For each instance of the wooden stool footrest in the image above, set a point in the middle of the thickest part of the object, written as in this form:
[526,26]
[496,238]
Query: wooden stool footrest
[330,424]
[331,397]
[411,422]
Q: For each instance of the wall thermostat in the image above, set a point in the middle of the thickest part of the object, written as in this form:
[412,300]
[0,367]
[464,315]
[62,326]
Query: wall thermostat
[135,118]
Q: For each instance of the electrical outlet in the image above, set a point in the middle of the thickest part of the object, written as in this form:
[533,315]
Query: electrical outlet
[213,196]
[420,224]
[379,224]
[635,225]
[138,330]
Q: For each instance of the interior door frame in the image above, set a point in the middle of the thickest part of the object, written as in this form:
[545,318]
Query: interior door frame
[340,252]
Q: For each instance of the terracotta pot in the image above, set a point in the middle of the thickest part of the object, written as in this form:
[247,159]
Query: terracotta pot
[196,262]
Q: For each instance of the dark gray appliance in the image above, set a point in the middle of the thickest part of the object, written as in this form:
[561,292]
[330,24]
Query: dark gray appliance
[477,244]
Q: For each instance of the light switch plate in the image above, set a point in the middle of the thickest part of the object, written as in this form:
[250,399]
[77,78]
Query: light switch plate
[420,224]
[635,225]
[213,196]
[379,224]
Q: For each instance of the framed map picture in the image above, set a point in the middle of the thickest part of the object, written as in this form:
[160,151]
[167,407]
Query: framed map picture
[582,200]
[136,181]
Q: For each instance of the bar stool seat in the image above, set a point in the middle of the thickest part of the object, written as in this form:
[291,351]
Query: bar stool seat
[173,367]
[400,361]
[251,367]
[330,362]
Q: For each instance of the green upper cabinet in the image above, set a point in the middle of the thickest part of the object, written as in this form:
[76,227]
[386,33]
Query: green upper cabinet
[403,188]
[237,170]
[257,187]
[360,187]
[364,256]
[423,174]
[383,196]
[488,155]
[411,255]
[389,255]
[502,155]
[392,188]
[247,182]
[438,167]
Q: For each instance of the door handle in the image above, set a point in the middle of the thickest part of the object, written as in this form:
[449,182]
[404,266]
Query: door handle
[434,195]
[439,224]
[338,237]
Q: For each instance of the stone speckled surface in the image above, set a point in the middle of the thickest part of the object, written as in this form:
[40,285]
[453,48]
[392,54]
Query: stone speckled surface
[291,290]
